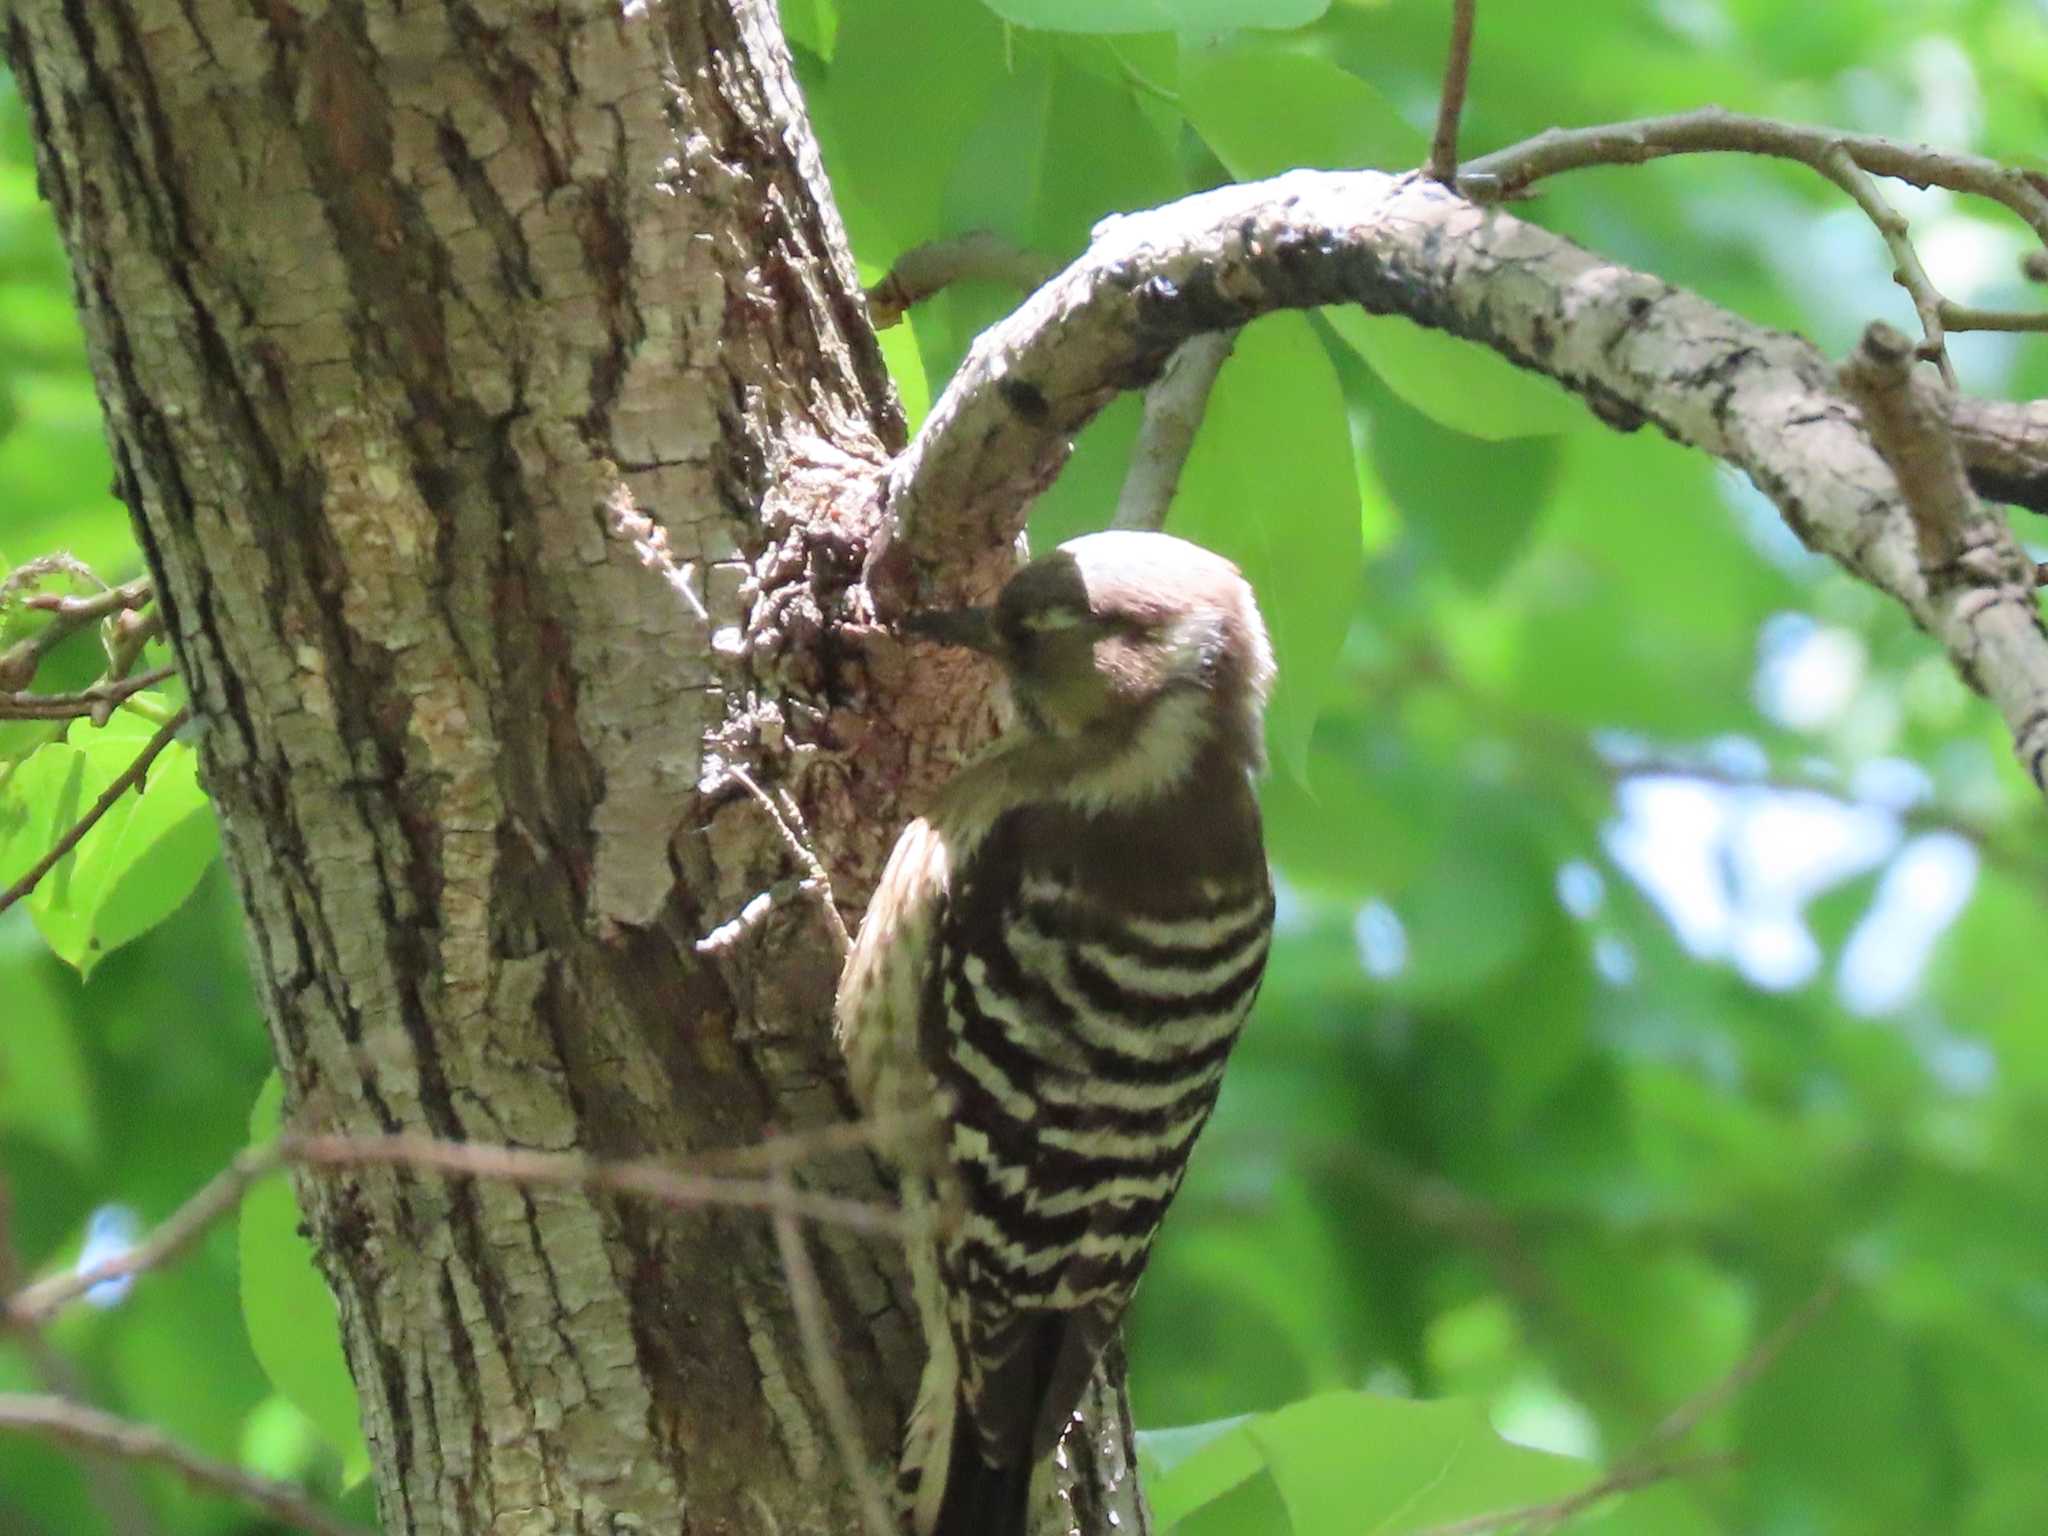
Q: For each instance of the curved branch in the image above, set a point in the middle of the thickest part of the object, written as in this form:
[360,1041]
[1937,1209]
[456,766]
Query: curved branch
[1709,130]
[1637,348]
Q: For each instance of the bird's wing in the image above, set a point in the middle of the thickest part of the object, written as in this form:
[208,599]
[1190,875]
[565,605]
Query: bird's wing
[882,989]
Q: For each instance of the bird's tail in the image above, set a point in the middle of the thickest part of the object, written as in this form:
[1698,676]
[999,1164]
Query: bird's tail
[968,1472]
[979,1499]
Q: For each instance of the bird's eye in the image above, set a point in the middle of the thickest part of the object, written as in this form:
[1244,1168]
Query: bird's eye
[1046,619]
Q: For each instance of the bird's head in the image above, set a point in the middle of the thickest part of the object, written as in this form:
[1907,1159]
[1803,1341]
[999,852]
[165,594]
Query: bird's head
[1134,648]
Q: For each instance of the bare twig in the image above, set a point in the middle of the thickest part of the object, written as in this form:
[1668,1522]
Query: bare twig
[1906,268]
[113,1489]
[818,882]
[1646,1464]
[96,702]
[807,1302]
[1967,317]
[112,1485]
[1908,421]
[1173,414]
[1688,1415]
[69,613]
[651,1179]
[978,256]
[89,1430]
[37,1303]
[126,633]
[1849,160]
[1556,1512]
[1443,149]
[75,612]
[707,1180]
[129,777]
[752,913]
[1507,172]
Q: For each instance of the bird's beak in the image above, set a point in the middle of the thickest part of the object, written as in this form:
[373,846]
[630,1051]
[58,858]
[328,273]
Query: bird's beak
[968,627]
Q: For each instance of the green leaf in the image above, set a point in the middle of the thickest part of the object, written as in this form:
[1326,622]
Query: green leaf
[1354,1464]
[45,1088]
[812,24]
[137,864]
[293,1323]
[1102,156]
[1081,499]
[993,182]
[1465,386]
[1195,1465]
[1332,119]
[905,361]
[1156,15]
[944,55]
[1270,485]
[1473,504]
[1335,121]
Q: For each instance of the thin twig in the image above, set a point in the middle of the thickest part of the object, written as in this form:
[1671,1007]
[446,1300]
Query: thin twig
[1550,1515]
[819,883]
[112,1484]
[1174,406]
[1709,130]
[88,1429]
[129,777]
[37,1303]
[787,1149]
[113,1489]
[68,613]
[1443,149]
[977,256]
[651,1179]
[807,1302]
[1967,317]
[96,701]
[1906,268]
[1847,159]
[706,1181]
[1646,1464]
[1688,1415]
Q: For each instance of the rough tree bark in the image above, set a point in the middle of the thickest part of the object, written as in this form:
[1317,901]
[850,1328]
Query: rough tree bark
[487,382]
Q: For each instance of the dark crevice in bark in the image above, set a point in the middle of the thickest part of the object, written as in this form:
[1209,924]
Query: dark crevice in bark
[463,1357]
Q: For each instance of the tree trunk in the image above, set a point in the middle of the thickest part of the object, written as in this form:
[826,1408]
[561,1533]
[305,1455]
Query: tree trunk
[499,413]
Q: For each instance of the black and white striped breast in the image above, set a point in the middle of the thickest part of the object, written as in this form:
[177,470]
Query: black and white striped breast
[1085,999]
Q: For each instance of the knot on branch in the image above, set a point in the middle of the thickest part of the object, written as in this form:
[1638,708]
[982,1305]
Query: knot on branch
[1908,413]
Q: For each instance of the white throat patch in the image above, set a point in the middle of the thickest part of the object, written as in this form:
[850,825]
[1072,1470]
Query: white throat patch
[1156,759]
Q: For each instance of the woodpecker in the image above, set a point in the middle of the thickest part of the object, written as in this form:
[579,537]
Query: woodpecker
[1047,984]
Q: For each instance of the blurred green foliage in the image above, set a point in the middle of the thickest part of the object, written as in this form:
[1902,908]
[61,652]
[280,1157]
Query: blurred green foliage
[1662,932]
